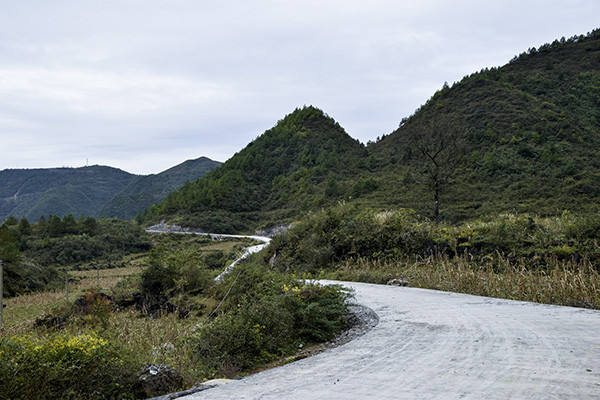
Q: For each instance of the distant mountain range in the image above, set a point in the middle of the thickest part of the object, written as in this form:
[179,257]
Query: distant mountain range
[90,191]
[523,137]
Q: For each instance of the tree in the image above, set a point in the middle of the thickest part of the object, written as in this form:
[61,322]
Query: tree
[55,226]
[24,227]
[69,224]
[441,144]
[11,221]
[9,248]
[89,226]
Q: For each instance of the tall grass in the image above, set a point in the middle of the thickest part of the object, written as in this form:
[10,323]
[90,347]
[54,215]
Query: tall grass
[566,283]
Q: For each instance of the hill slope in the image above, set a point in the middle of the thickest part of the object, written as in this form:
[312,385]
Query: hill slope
[32,193]
[522,137]
[147,190]
[90,191]
[306,160]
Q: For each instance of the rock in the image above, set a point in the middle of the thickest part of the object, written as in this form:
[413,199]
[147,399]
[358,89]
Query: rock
[156,379]
[397,282]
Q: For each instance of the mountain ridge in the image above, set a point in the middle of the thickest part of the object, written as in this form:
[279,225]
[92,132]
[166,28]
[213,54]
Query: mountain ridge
[37,192]
[521,137]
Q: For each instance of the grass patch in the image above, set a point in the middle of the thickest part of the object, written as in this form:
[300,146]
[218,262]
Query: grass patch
[562,283]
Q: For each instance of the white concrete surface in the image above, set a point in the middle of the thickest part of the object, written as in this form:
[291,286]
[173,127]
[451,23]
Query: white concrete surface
[438,345]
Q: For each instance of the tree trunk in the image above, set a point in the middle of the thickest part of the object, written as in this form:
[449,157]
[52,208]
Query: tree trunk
[436,200]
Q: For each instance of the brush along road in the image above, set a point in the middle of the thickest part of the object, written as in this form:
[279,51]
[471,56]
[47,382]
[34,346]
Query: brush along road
[438,345]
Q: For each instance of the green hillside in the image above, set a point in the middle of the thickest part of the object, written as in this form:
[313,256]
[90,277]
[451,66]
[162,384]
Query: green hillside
[307,160]
[147,190]
[90,191]
[521,137]
[32,193]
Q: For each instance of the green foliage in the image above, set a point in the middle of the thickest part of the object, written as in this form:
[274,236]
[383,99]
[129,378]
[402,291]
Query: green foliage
[345,231]
[31,252]
[66,241]
[364,186]
[301,162]
[329,238]
[529,133]
[172,272]
[64,367]
[266,316]
[9,244]
[20,275]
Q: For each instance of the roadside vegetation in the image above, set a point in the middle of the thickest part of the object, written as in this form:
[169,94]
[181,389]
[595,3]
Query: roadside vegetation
[550,260]
[164,310]
[37,256]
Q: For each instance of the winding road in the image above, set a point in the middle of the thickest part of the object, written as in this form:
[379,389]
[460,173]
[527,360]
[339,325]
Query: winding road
[439,345]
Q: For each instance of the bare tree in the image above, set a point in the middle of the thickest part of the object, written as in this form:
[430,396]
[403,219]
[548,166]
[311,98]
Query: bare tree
[441,144]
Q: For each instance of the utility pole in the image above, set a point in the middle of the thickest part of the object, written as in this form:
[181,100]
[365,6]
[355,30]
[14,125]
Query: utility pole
[1,293]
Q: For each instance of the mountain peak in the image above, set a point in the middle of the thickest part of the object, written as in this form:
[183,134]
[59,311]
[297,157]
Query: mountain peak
[300,163]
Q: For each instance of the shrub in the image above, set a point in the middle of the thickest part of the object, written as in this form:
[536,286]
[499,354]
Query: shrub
[265,317]
[174,271]
[64,367]
[329,238]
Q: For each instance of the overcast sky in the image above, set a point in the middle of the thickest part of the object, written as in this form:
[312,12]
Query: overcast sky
[143,85]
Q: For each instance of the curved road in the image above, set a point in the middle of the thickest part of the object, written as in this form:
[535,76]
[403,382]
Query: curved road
[439,345]
[164,228]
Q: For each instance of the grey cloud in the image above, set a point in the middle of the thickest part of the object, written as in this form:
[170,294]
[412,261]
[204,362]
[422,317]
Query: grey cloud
[143,85]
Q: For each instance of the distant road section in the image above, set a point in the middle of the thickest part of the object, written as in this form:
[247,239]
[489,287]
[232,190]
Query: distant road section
[163,228]
[438,345]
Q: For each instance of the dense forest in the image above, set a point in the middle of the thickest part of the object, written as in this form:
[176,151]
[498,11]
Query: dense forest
[521,137]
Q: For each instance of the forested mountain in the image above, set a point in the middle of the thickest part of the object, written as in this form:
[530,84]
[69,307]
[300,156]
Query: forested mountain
[307,160]
[147,190]
[522,137]
[89,191]
[32,193]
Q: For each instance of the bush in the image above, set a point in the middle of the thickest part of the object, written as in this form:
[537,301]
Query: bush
[329,238]
[64,367]
[174,271]
[265,317]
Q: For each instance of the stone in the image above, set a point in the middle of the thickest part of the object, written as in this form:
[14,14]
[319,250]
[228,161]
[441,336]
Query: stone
[157,379]
[397,282]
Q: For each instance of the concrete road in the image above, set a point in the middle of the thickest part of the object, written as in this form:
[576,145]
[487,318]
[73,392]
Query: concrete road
[438,345]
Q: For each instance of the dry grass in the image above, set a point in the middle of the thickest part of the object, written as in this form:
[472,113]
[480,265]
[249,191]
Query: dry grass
[21,311]
[562,283]
[158,340]
[222,246]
